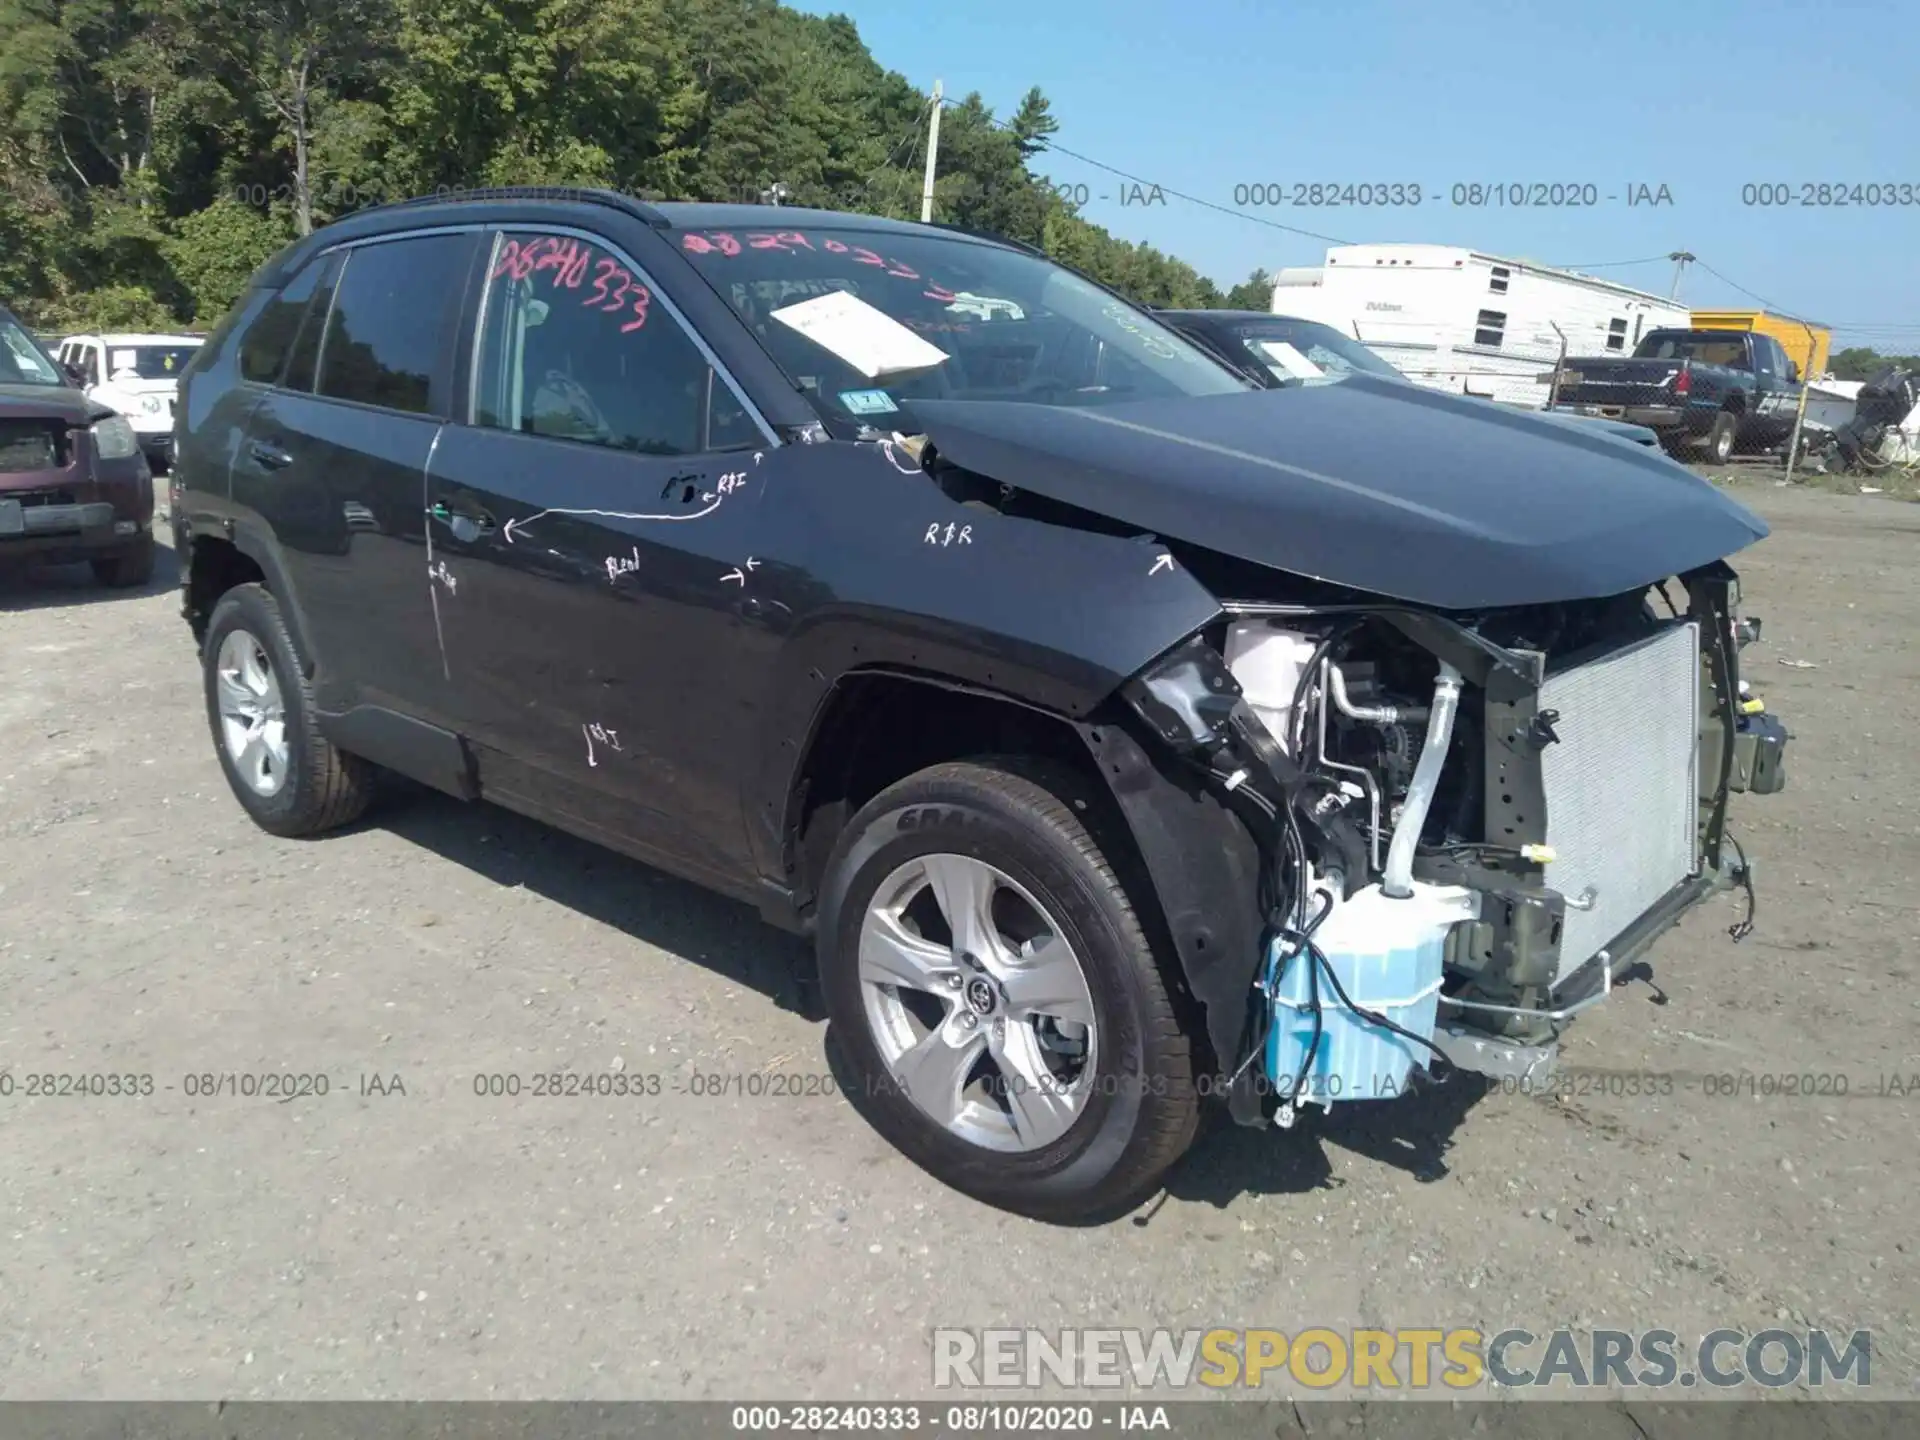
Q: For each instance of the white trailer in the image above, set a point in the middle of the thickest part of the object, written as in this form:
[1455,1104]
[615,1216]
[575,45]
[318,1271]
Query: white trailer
[1469,323]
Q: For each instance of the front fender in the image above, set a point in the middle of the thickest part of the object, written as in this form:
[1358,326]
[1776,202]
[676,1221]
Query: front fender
[880,569]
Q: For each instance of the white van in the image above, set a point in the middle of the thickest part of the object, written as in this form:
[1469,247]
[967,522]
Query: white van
[136,375]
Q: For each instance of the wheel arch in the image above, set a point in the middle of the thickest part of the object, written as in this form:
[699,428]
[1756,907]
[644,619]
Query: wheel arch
[1189,863]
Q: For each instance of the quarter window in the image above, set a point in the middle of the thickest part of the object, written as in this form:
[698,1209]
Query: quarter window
[263,349]
[574,345]
[385,331]
[304,357]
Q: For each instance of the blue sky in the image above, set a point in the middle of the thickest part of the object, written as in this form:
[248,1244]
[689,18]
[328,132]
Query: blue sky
[1702,97]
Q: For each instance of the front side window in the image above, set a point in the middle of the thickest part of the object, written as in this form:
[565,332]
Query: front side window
[867,321]
[574,345]
[22,361]
[384,333]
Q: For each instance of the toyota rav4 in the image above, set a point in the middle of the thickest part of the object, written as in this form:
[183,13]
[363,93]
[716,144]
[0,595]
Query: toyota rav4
[1126,735]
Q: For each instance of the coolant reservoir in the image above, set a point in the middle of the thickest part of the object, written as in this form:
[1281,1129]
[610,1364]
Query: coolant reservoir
[1268,662]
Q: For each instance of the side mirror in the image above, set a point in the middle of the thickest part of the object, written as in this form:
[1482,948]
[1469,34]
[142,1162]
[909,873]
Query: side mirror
[76,377]
[1793,372]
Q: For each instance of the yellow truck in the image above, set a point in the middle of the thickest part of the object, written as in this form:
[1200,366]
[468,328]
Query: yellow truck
[1806,342]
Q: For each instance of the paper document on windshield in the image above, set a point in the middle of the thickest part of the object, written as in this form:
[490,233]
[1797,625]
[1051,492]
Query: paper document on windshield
[869,340]
[1291,360]
[123,360]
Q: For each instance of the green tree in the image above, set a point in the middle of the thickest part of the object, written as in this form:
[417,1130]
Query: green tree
[1253,293]
[292,58]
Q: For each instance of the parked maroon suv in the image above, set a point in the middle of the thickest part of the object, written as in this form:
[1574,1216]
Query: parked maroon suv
[73,483]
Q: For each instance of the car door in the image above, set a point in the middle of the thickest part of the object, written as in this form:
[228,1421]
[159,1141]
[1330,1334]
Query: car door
[593,553]
[1776,398]
[332,471]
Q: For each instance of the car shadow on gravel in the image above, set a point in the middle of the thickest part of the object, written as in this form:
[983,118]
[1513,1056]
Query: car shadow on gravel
[689,922]
[39,587]
[1226,1162]
[1412,1133]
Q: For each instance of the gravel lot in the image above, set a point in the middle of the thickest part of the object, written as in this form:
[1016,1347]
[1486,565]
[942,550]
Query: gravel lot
[436,1244]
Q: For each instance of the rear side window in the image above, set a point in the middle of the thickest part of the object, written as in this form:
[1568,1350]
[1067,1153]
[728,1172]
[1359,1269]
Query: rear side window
[263,349]
[384,340]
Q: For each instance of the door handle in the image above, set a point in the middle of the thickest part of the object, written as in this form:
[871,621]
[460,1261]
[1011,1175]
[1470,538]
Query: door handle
[465,521]
[269,457]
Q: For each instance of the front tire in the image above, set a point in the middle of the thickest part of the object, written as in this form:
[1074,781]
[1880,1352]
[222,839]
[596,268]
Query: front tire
[282,770]
[996,998]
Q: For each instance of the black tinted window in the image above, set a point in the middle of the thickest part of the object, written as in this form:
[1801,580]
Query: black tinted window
[574,346]
[263,349]
[306,346]
[383,340]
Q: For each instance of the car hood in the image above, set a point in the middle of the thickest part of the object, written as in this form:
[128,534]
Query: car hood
[48,402]
[1619,429]
[1371,484]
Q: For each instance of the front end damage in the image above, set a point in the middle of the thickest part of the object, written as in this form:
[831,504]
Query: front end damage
[1454,832]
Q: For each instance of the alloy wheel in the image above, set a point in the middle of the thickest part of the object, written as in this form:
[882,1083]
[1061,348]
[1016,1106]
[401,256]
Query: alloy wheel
[253,716]
[977,1003]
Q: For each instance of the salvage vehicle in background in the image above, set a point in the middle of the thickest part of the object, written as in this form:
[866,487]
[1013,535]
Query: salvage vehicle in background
[1125,733]
[1276,350]
[135,375]
[73,484]
[1716,391]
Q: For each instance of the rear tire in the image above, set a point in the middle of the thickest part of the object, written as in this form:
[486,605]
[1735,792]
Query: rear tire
[1086,1140]
[282,770]
[1718,445]
[127,569]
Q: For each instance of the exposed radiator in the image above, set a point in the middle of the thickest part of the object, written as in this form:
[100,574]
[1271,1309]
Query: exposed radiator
[1620,785]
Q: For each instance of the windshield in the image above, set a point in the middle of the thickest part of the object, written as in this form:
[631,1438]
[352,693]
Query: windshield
[868,321]
[22,361]
[148,362]
[1308,352]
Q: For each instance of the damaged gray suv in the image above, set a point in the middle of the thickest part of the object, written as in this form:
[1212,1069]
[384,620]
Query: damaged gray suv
[1129,738]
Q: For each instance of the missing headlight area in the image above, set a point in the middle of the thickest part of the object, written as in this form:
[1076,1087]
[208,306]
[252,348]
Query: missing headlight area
[1471,825]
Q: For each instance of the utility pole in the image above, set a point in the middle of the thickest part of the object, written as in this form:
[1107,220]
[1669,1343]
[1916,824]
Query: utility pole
[1680,259]
[933,149]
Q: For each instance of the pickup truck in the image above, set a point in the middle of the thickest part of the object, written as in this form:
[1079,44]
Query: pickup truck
[1707,390]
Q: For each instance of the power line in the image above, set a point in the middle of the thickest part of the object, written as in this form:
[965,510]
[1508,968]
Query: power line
[1618,264]
[1165,189]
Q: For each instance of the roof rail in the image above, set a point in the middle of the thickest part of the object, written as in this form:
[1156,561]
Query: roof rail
[613,199]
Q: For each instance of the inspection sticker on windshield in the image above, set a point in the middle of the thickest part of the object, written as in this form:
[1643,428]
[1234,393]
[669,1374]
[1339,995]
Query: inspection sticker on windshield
[870,340]
[1291,360]
[868,402]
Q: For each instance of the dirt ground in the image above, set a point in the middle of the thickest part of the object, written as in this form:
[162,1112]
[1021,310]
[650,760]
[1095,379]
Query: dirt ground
[438,1244]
